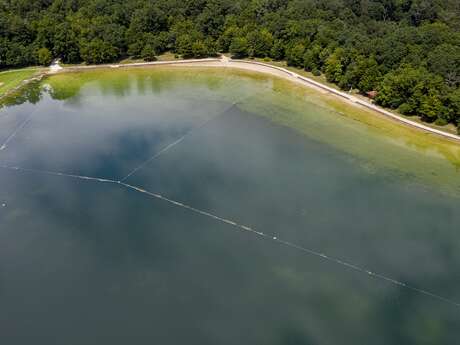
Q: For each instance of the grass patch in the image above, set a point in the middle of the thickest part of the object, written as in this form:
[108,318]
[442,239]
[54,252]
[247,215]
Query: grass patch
[11,79]
[168,56]
[130,61]
[320,79]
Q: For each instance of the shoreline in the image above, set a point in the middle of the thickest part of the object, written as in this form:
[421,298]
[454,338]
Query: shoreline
[37,76]
[281,72]
[355,101]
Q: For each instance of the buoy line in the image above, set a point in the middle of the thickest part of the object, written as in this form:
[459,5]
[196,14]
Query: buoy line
[16,131]
[241,227]
[190,132]
[176,142]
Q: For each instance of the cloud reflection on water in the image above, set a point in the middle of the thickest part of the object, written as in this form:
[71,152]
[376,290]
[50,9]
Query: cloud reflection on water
[82,260]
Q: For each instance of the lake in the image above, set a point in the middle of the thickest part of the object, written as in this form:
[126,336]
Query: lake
[250,211]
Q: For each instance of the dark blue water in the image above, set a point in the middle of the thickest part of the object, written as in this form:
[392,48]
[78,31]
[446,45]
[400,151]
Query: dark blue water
[85,262]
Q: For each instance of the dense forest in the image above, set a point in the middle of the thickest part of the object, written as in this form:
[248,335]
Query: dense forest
[407,50]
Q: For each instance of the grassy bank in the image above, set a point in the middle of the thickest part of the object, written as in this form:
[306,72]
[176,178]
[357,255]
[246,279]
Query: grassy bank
[12,79]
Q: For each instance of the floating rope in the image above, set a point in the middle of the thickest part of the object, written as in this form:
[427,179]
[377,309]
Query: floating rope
[16,131]
[178,141]
[190,132]
[241,227]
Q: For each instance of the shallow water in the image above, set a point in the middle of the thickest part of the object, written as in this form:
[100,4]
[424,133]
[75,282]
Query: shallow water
[84,261]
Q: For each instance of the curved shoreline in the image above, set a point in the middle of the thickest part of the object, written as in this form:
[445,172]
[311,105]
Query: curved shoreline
[277,71]
[356,101]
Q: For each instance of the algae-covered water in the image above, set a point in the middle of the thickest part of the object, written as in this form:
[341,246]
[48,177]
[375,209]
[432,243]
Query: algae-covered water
[251,211]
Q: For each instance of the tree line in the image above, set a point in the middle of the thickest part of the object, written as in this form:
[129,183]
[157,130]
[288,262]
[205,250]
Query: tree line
[406,50]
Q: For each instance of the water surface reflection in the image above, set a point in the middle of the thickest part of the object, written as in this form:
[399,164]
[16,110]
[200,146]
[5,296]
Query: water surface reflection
[82,261]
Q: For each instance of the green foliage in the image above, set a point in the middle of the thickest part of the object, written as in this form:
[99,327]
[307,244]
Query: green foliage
[294,55]
[135,48]
[13,54]
[413,91]
[334,66]
[184,45]
[44,56]
[65,43]
[211,47]
[311,58]
[316,72]
[408,50]
[98,51]
[441,122]
[259,43]
[225,40]
[277,51]
[431,106]
[239,47]
[148,53]
[370,76]
[199,49]
[453,106]
[445,61]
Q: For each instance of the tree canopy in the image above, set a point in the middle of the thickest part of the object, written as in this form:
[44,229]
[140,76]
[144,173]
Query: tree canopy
[406,50]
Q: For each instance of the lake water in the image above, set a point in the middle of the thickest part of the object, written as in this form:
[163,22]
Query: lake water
[84,261]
